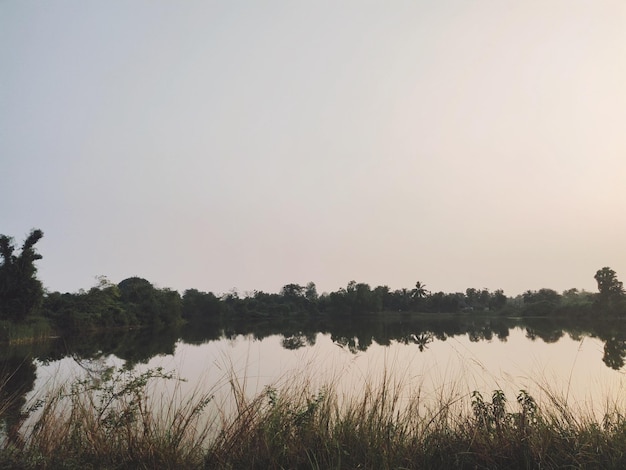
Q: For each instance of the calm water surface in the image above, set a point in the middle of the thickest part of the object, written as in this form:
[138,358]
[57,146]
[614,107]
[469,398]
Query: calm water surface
[571,366]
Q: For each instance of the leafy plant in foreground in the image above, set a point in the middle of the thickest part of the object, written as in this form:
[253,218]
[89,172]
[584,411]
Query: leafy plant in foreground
[492,416]
[111,421]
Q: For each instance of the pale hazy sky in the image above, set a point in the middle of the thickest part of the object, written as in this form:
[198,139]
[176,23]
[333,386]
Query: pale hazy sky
[252,144]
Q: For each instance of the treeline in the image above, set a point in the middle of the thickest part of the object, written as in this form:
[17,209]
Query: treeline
[132,302]
[360,298]
[137,302]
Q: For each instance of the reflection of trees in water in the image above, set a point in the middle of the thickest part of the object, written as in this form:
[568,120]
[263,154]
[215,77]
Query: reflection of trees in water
[485,329]
[200,334]
[298,341]
[549,330]
[421,339]
[353,333]
[351,344]
[133,346]
[415,329]
[293,342]
[610,330]
[502,331]
[547,336]
[614,353]
[483,333]
[95,369]
[17,378]
[354,344]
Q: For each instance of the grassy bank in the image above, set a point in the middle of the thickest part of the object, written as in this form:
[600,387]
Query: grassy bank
[32,330]
[118,422]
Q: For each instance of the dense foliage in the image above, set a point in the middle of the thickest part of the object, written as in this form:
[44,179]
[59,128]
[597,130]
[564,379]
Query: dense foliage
[132,302]
[21,293]
[137,302]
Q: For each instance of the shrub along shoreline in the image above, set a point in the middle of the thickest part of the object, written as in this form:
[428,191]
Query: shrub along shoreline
[110,424]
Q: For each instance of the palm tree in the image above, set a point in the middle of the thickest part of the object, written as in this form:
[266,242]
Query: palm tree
[420,290]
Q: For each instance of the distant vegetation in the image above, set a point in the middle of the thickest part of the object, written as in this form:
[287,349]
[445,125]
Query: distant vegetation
[135,302]
[108,423]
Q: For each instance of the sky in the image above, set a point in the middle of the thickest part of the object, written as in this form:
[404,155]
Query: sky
[243,144]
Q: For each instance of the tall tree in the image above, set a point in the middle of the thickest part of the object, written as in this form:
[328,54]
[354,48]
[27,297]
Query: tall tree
[310,292]
[420,290]
[608,285]
[21,293]
[150,306]
[292,291]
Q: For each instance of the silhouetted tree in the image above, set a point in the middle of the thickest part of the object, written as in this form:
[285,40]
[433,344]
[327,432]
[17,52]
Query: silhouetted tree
[21,293]
[608,285]
[310,292]
[100,307]
[292,291]
[541,302]
[611,297]
[150,306]
[441,302]
[420,290]
[200,306]
[497,300]
[362,299]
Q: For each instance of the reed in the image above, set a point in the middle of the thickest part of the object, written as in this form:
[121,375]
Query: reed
[33,330]
[294,424]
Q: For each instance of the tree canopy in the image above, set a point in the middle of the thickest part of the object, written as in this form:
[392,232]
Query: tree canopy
[21,293]
[608,284]
[137,302]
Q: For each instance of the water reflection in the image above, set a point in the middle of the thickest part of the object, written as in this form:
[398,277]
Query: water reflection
[355,335]
[614,352]
[17,379]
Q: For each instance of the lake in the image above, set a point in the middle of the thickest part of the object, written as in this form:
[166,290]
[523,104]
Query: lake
[433,356]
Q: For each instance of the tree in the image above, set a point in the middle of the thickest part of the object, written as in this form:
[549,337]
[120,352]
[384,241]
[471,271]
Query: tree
[200,306]
[540,303]
[497,300]
[150,306]
[364,301]
[310,292]
[608,285]
[441,302]
[420,290]
[292,291]
[21,293]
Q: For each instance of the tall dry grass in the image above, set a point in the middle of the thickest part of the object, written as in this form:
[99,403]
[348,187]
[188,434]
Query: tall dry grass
[118,423]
